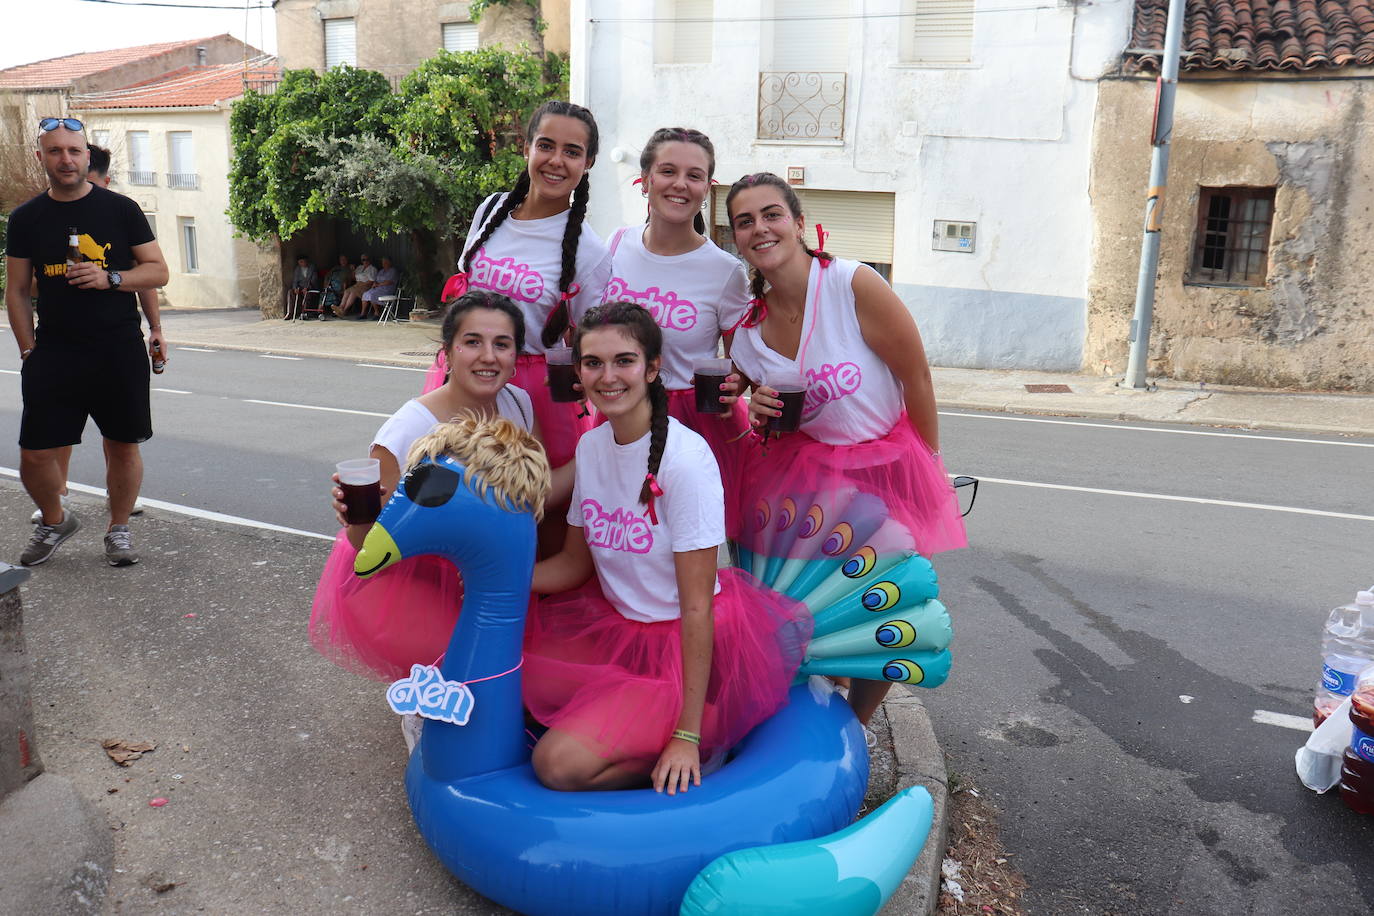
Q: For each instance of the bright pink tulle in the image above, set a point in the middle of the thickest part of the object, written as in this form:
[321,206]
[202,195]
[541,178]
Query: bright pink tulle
[381,626]
[722,433]
[799,497]
[616,683]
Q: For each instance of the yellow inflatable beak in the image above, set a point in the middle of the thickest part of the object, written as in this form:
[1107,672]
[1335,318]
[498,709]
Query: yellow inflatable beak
[379,551]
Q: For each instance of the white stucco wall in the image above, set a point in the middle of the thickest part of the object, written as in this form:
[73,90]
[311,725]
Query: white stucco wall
[1004,141]
[227,275]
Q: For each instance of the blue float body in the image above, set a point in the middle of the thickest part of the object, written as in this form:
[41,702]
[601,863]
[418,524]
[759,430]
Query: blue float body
[800,775]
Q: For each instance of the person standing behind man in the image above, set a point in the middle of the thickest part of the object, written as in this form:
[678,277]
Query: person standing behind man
[86,357]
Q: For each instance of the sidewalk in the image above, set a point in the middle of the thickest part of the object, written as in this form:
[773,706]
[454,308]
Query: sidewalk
[972,389]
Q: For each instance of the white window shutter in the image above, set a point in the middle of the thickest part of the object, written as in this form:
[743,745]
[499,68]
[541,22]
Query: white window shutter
[940,31]
[340,43]
[803,42]
[460,36]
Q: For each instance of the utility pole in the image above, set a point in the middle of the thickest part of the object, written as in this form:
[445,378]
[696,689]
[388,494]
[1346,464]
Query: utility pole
[1160,138]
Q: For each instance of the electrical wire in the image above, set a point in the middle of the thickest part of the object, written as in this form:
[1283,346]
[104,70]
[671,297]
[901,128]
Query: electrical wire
[834,17]
[179,6]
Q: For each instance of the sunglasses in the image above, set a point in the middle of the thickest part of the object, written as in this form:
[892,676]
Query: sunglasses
[47,124]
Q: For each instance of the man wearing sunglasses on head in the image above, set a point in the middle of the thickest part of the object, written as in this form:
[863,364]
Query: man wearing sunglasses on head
[86,358]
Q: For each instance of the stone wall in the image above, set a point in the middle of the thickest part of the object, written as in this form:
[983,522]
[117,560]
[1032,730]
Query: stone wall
[1309,325]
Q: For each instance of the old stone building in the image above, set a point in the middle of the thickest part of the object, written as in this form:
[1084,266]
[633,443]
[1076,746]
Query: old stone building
[1264,274]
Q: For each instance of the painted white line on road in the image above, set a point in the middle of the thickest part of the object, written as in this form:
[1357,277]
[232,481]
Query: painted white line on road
[272,356]
[196,349]
[191,511]
[1282,720]
[171,390]
[10,371]
[1179,499]
[361,413]
[380,366]
[1151,429]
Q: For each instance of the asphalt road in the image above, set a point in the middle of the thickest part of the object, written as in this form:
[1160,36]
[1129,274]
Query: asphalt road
[1133,597]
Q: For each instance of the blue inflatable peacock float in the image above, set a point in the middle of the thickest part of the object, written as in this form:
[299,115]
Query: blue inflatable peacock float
[772,831]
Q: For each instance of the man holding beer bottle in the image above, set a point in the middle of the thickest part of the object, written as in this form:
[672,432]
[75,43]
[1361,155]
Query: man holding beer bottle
[89,250]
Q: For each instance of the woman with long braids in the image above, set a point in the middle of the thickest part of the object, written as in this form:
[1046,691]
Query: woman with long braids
[868,422]
[533,244]
[659,660]
[696,292]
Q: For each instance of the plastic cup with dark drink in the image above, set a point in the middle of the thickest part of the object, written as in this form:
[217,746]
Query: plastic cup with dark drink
[707,377]
[562,375]
[361,482]
[791,389]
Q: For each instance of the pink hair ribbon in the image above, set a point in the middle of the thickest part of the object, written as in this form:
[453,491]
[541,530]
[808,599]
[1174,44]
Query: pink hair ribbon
[455,287]
[655,492]
[821,236]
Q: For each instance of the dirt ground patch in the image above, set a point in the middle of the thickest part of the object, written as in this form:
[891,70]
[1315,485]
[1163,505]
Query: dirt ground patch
[975,861]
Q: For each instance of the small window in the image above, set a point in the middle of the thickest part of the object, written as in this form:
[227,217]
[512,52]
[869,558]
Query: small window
[683,32]
[140,147]
[101,138]
[181,154]
[190,251]
[152,222]
[460,36]
[1233,227]
[340,43]
[937,31]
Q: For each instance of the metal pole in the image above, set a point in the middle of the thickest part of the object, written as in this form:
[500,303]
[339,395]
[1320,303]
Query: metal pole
[1154,202]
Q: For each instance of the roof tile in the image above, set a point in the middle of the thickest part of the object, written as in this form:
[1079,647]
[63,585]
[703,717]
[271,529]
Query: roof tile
[1257,34]
[61,72]
[187,87]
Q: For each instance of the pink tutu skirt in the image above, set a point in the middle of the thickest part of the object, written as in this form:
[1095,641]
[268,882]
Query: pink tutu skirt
[559,424]
[616,683]
[380,626]
[799,497]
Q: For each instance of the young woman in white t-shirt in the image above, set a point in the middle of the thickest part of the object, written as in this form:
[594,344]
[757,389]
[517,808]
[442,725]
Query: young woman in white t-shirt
[405,614]
[532,244]
[867,454]
[657,660]
[696,292]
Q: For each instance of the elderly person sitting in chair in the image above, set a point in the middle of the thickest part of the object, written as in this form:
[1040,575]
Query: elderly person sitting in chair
[387,279]
[365,276]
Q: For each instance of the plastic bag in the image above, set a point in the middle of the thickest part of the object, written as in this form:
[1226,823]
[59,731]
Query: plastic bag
[1319,760]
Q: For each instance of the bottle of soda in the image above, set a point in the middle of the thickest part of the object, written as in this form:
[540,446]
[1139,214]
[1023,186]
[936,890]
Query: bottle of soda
[1347,649]
[159,361]
[74,255]
[1357,764]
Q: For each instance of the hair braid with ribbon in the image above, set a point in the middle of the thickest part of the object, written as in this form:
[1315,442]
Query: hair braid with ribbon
[513,199]
[561,316]
[758,308]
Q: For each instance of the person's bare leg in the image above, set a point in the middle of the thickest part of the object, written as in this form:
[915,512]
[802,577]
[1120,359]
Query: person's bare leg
[40,470]
[866,696]
[64,460]
[123,478]
[563,763]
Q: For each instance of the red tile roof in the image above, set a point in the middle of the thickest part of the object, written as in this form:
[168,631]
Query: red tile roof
[61,72]
[187,87]
[1258,34]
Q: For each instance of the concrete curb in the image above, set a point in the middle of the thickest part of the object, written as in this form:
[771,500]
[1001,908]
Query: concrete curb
[919,762]
[410,361]
[68,851]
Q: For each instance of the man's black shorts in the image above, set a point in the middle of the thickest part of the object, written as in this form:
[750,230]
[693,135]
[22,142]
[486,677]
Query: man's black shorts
[63,384]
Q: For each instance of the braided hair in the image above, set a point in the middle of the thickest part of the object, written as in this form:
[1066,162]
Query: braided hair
[642,328]
[678,135]
[789,199]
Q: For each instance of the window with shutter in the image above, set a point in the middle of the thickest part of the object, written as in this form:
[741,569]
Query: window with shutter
[460,36]
[683,32]
[140,146]
[804,41]
[937,31]
[858,224]
[340,43]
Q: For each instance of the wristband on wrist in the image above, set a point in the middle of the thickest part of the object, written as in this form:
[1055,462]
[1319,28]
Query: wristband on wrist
[155,327]
[23,354]
[685,735]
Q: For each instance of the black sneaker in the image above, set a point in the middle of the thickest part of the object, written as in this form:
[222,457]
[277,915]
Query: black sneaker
[47,538]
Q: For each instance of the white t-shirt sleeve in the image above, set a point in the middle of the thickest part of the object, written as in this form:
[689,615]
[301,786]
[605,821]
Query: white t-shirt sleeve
[400,431]
[591,282]
[517,407]
[693,497]
[734,299]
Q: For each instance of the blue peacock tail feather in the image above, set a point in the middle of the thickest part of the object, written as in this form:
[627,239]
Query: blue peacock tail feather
[872,596]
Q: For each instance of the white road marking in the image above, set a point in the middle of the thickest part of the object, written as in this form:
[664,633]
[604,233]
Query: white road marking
[10,371]
[171,390]
[192,511]
[196,349]
[274,356]
[1151,429]
[361,413]
[1178,499]
[380,366]
[1282,720]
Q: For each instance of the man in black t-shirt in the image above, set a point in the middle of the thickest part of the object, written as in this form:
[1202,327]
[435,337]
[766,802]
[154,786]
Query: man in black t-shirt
[86,358]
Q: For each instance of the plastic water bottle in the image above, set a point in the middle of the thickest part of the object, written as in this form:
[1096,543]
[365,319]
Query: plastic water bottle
[1347,649]
[1357,764]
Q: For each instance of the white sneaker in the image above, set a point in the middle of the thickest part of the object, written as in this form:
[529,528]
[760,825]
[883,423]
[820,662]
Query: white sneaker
[38,513]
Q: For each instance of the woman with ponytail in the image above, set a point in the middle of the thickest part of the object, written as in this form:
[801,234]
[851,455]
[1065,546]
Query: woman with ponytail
[533,244]
[696,292]
[868,421]
[659,660]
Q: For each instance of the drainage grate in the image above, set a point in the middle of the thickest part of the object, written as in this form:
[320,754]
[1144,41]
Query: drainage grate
[1049,389]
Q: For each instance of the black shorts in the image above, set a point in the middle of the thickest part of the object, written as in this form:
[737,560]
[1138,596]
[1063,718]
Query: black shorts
[64,384]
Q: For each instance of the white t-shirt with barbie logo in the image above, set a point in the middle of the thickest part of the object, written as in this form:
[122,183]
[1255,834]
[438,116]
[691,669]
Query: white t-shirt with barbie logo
[634,558]
[523,259]
[694,297]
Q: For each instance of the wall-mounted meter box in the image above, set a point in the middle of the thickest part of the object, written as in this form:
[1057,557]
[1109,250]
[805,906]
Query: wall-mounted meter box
[954,235]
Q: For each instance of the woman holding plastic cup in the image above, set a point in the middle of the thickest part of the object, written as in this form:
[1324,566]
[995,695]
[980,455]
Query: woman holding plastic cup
[828,342]
[695,291]
[405,614]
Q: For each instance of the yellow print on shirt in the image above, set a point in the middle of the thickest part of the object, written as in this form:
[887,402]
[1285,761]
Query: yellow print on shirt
[93,250]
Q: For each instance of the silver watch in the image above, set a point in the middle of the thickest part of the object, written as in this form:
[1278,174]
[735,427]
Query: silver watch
[115,278]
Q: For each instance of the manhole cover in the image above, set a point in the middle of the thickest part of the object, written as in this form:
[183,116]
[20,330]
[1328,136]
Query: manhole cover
[1049,389]
[424,353]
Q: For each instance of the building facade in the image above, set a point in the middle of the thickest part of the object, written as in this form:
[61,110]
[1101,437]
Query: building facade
[946,142]
[1263,275]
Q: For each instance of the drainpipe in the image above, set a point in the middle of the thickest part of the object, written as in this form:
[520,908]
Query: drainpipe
[1166,86]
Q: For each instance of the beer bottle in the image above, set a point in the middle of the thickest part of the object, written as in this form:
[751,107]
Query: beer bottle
[159,362]
[74,255]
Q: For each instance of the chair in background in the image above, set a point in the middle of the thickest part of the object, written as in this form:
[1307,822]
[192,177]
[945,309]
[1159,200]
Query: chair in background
[391,304]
